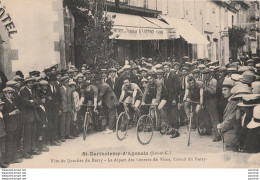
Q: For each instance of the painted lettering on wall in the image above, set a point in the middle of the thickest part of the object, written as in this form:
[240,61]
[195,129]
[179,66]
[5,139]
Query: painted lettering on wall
[7,21]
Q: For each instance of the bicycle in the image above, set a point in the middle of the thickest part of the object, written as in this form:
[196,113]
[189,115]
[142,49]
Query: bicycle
[122,123]
[146,123]
[191,120]
[87,119]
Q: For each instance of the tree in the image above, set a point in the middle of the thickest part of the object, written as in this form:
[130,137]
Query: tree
[236,40]
[93,30]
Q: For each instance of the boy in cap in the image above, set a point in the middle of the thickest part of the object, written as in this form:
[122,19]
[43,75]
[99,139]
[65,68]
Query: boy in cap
[75,110]
[10,115]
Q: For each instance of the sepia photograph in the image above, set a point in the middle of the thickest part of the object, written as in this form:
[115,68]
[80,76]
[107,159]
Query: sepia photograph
[129,84]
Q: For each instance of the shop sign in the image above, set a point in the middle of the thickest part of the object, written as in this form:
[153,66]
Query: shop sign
[135,33]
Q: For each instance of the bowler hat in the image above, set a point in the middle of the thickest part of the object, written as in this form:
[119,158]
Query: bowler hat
[255,121]
[248,77]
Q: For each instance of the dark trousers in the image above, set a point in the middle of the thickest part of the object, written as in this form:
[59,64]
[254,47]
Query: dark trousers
[173,116]
[211,107]
[29,137]
[53,124]
[110,114]
[11,146]
[65,124]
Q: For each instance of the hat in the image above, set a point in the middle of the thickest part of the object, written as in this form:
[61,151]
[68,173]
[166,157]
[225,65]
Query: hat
[255,87]
[232,69]
[185,68]
[222,69]
[64,79]
[240,90]
[250,100]
[159,71]
[168,64]
[206,70]
[112,70]
[158,66]
[228,83]
[11,83]
[212,68]
[18,78]
[144,80]
[27,79]
[72,67]
[248,77]
[143,69]
[134,66]
[70,71]
[150,59]
[201,66]
[244,68]
[176,64]
[185,57]
[188,63]
[84,65]
[34,73]
[8,89]
[44,82]
[255,121]
[250,61]
[257,65]
[143,58]
[195,71]
[72,83]
[150,73]
[80,75]
[236,77]
[126,67]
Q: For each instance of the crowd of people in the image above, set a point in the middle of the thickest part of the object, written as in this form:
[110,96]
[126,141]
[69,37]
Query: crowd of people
[45,109]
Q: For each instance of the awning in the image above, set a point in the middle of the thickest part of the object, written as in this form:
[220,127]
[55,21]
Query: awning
[131,27]
[186,30]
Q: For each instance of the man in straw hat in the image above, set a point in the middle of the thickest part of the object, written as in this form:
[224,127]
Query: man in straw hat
[229,125]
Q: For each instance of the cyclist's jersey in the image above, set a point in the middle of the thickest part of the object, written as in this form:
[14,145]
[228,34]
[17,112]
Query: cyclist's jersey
[130,89]
[155,90]
[90,95]
[194,94]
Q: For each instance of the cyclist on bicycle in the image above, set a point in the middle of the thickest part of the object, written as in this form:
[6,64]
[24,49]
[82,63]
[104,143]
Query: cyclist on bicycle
[193,92]
[89,95]
[131,94]
[155,93]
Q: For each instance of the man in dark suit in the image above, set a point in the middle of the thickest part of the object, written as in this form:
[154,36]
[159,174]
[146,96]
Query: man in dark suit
[133,76]
[28,118]
[113,82]
[65,109]
[53,101]
[10,114]
[171,81]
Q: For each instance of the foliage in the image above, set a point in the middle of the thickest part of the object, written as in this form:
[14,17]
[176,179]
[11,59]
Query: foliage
[236,39]
[93,30]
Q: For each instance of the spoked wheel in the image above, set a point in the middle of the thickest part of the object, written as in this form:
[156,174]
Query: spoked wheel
[122,126]
[86,124]
[164,127]
[144,129]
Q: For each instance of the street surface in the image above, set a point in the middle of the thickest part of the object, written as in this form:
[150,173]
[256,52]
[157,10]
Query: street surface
[161,152]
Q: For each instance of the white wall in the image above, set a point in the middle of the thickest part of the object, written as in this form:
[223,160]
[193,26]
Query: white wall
[35,38]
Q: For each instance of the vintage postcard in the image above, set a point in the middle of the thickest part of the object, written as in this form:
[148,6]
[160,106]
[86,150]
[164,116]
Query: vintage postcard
[129,84]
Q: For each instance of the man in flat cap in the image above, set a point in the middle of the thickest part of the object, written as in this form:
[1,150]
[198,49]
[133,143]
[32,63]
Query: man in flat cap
[28,117]
[10,115]
[65,109]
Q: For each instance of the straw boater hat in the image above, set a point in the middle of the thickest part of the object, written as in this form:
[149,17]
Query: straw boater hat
[240,90]
[248,77]
[8,89]
[11,83]
[232,70]
[250,100]
[28,79]
[243,69]
[255,122]
[43,82]
[158,66]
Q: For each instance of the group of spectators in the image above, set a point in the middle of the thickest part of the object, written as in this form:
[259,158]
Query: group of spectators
[48,108]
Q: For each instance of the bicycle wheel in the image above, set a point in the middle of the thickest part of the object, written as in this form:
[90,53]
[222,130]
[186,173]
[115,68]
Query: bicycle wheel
[164,127]
[85,124]
[144,129]
[122,126]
